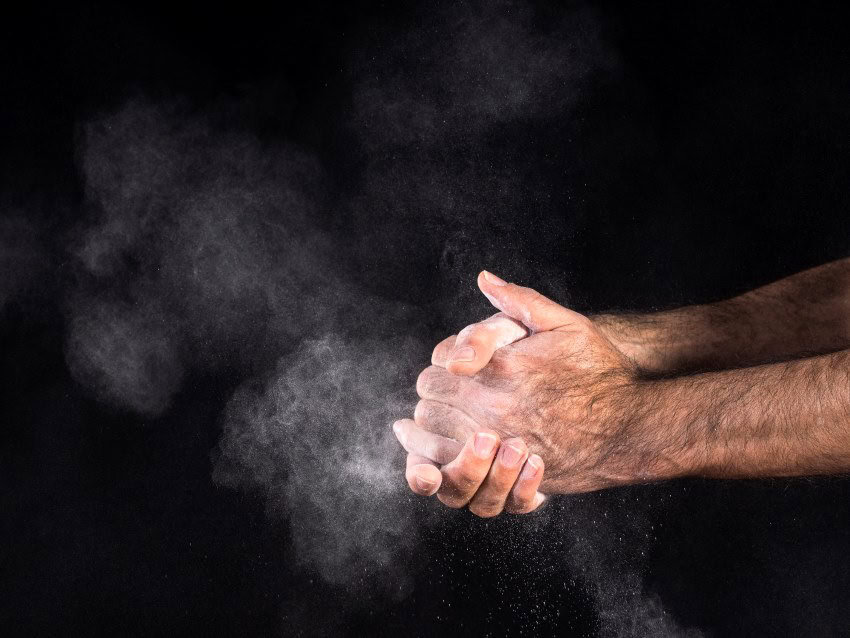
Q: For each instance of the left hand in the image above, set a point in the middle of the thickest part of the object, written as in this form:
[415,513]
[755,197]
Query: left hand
[565,390]
[506,478]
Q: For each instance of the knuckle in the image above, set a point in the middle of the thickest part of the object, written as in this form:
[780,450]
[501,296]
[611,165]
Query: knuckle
[472,334]
[535,300]
[464,478]
[482,341]
[421,382]
[500,483]
[488,502]
[483,510]
[533,296]
[503,361]
[420,412]
[519,506]
[427,413]
[451,500]
[425,381]
[434,380]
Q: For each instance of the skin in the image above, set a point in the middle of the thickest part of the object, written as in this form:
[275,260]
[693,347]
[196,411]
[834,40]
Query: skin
[802,315]
[490,481]
[591,397]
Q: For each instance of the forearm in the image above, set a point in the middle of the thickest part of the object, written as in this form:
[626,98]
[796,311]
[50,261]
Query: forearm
[807,313]
[782,419]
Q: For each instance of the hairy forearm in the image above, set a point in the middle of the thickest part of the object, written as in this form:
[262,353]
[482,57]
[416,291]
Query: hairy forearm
[807,313]
[781,419]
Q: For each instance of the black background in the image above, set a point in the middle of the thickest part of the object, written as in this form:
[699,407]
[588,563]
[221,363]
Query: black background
[717,162]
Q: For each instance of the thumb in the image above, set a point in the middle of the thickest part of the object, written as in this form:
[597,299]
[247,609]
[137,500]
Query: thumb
[528,306]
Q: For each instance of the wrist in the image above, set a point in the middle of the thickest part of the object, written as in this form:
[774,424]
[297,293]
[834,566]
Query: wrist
[661,443]
[635,336]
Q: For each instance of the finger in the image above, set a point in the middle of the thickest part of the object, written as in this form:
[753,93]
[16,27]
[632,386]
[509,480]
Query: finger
[442,350]
[476,343]
[423,476]
[432,446]
[524,497]
[527,306]
[437,384]
[463,476]
[445,420]
[490,498]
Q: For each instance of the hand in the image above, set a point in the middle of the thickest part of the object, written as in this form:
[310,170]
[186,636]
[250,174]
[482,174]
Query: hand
[566,390]
[468,479]
[484,474]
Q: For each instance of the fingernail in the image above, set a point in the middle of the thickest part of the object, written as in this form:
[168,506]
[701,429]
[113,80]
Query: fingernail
[424,485]
[493,279]
[485,443]
[511,455]
[532,467]
[463,354]
[397,427]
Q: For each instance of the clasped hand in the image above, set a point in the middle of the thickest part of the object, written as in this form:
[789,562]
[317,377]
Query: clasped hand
[536,382]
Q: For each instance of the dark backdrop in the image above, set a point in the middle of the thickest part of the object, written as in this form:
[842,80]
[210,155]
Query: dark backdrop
[715,160]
